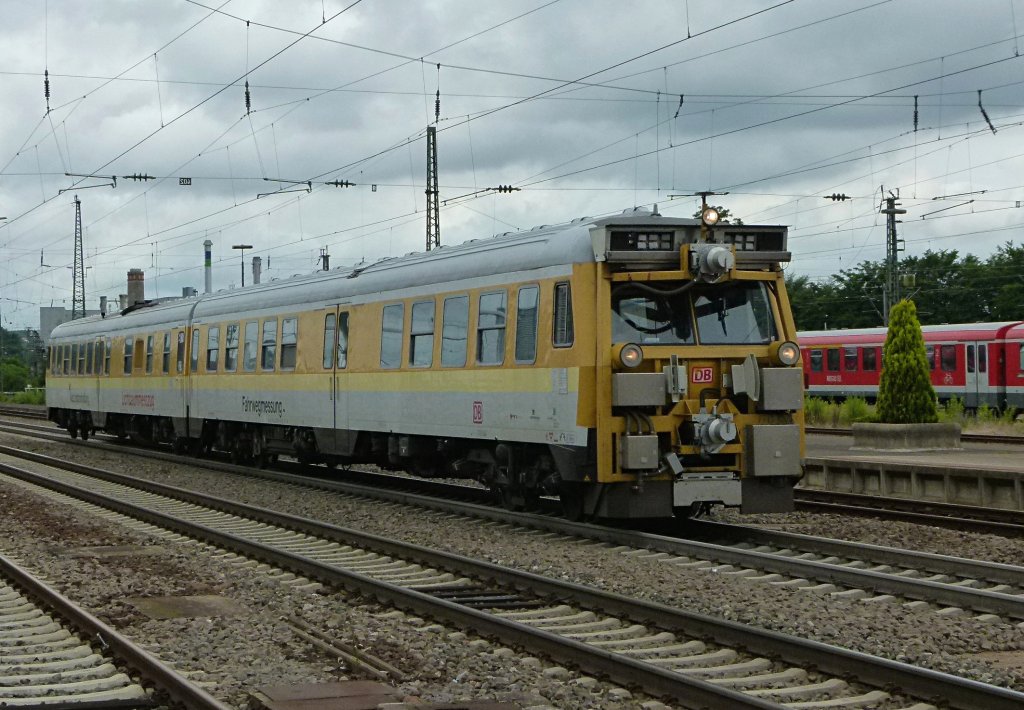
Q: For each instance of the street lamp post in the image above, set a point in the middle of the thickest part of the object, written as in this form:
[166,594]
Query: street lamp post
[242,248]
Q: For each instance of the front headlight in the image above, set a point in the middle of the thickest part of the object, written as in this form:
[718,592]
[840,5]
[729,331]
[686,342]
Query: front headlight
[788,353]
[629,356]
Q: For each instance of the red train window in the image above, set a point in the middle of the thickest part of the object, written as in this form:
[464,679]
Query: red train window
[816,359]
[832,359]
[870,359]
[929,352]
[948,358]
[850,359]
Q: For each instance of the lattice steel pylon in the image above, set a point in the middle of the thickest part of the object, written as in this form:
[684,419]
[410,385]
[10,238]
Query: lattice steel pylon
[433,210]
[78,270]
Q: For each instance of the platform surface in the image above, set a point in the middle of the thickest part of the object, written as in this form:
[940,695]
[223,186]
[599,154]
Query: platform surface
[993,457]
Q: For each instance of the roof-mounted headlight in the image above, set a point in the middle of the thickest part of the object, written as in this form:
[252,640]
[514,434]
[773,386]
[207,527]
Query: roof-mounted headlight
[629,356]
[788,353]
[709,216]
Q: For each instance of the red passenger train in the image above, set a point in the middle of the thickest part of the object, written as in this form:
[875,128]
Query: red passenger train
[980,363]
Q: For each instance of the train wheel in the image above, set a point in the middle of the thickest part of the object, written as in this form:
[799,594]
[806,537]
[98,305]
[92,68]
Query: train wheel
[506,498]
[85,433]
[694,510]
[73,431]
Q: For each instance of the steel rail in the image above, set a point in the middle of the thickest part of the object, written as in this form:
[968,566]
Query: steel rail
[952,691]
[119,645]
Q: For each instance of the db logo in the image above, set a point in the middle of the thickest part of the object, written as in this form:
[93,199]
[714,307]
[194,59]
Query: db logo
[478,412]
[702,375]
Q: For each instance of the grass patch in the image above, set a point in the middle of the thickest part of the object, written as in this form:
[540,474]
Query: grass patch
[984,420]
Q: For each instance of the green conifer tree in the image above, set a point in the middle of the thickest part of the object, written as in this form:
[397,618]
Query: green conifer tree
[905,392]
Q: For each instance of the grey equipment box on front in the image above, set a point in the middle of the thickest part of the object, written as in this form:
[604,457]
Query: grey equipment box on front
[773,449]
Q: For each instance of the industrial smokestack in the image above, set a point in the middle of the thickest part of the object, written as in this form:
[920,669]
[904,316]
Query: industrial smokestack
[208,268]
[257,265]
[136,286]
[103,306]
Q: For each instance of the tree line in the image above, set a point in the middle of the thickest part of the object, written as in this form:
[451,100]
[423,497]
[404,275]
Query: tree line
[945,287]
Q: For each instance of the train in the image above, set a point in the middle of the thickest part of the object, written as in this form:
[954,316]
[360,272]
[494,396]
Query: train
[981,364]
[635,366]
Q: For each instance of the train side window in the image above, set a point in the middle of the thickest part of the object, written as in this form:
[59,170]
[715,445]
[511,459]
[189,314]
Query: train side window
[212,347]
[970,359]
[526,324]
[268,346]
[869,359]
[490,328]
[106,356]
[982,358]
[391,326]
[816,360]
[129,345]
[850,359]
[563,333]
[289,343]
[1020,357]
[231,347]
[167,353]
[89,354]
[929,353]
[330,337]
[342,358]
[421,335]
[179,356]
[149,354]
[74,357]
[948,358]
[194,354]
[252,331]
[832,359]
[455,331]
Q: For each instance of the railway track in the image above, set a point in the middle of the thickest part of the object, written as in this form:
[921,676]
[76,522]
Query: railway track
[54,653]
[697,660]
[951,585]
[995,521]
[25,411]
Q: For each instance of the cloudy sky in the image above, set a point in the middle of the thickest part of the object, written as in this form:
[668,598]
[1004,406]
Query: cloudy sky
[588,106]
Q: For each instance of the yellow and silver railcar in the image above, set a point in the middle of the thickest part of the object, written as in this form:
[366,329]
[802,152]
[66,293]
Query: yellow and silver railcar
[635,365]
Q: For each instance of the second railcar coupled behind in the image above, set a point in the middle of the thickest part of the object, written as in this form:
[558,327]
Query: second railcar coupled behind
[635,365]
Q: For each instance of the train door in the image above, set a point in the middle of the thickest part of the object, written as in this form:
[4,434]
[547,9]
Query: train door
[977,390]
[335,363]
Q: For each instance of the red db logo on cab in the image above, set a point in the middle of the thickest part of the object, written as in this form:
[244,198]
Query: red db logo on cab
[703,374]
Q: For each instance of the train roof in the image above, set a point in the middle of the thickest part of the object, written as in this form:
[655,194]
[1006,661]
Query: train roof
[949,331]
[551,249]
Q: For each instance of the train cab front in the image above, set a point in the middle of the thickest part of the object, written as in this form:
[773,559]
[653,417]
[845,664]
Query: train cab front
[700,389]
